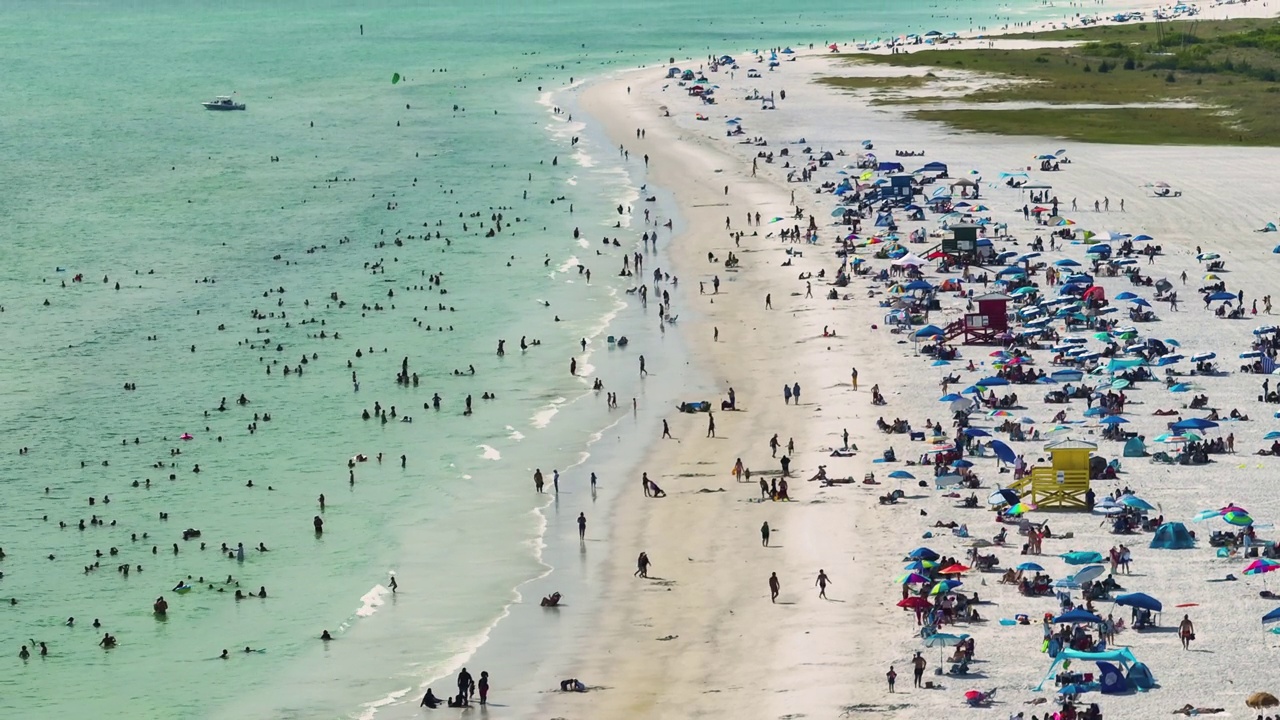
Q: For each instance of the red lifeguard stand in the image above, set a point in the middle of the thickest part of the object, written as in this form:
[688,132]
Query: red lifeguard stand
[984,326]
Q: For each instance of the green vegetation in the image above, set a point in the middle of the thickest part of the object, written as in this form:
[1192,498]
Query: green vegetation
[1229,71]
[891,82]
[1121,125]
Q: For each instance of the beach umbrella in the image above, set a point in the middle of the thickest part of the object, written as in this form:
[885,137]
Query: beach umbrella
[961,463]
[1030,567]
[911,578]
[1140,600]
[1271,617]
[1238,518]
[1201,357]
[944,586]
[1221,295]
[1113,420]
[1093,572]
[960,405]
[1077,616]
[976,432]
[1136,502]
[1003,496]
[914,603]
[1274,434]
[956,569]
[939,363]
[922,553]
[1004,452]
[1261,566]
[1180,388]
[1020,509]
[1261,700]
[950,397]
[1067,262]
[1140,302]
[1207,256]
[901,475]
[999,414]
[921,565]
[944,640]
[1194,424]
[1126,295]
[992,381]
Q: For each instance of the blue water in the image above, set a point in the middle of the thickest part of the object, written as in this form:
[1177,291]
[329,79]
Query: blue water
[113,170]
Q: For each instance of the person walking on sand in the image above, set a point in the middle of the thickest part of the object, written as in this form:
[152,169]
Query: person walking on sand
[484,674]
[711,425]
[666,430]
[537,479]
[786,394]
[643,372]
[644,482]
[773,445]
[795,392]
[855,378]
[1187,632]
[821,582]
[768,301]
[774,587]
[764,532]
[892,677]
[918,664]
[582,526]
[642,565]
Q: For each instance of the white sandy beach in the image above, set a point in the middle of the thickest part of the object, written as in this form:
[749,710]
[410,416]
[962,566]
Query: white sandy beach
[701,638]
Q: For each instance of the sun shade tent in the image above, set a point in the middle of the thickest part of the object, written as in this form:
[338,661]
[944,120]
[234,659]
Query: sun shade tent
[1172,536]
[1121,656]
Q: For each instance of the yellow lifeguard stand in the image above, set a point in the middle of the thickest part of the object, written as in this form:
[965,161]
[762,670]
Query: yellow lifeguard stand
[1062,484]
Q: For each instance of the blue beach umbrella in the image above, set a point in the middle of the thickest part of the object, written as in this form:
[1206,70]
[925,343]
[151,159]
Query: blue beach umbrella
[1136,502]
[1077,616]
[1030,567]
[1004,452]
[901,475]
[1140,600]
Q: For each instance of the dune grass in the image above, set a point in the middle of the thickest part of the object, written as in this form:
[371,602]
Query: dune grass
[1230,70]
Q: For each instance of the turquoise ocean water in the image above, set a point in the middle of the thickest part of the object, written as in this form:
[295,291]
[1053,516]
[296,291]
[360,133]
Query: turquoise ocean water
[113,171]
